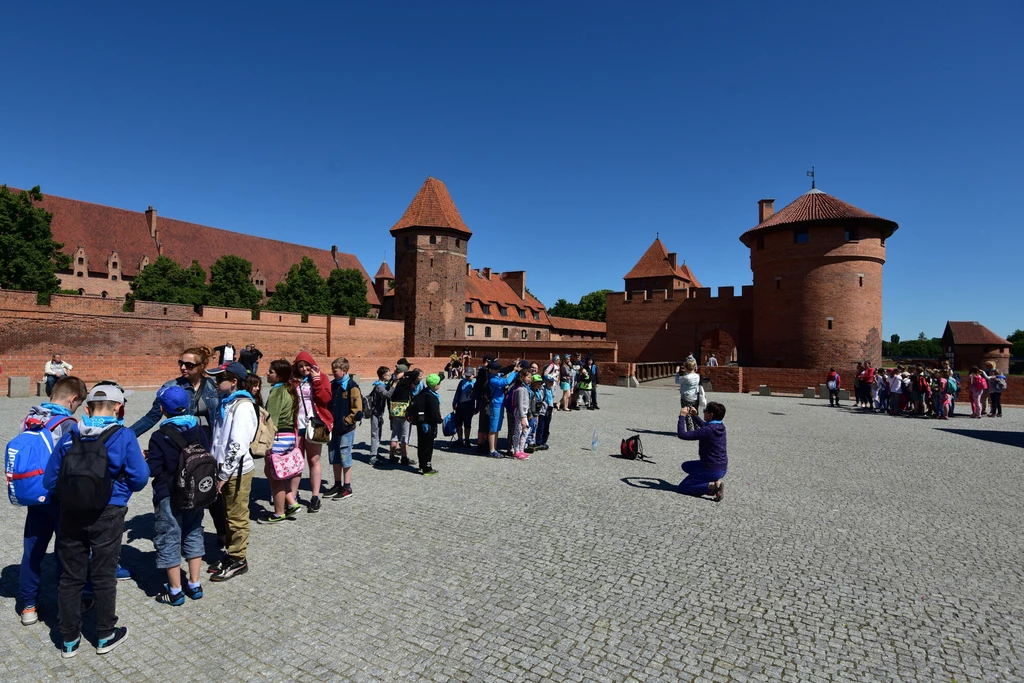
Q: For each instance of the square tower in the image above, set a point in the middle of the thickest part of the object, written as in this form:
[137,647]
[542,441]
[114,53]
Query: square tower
[431,240]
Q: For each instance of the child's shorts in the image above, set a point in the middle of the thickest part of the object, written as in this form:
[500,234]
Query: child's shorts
[339,451]
[400,429]
[178,534]
[496,415]
[564,386]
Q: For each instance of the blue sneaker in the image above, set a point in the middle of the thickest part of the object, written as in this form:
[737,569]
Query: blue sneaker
[105,645]
[194,593]
[70,649]
[122,573]
[496,454]
[166,597]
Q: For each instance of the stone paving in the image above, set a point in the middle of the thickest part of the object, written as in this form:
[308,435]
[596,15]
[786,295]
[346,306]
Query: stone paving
[850,547]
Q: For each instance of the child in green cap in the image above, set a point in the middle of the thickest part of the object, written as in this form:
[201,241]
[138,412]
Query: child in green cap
[426,415]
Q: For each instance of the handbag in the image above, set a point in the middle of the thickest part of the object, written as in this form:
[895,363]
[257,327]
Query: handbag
[316,429]
[285,458]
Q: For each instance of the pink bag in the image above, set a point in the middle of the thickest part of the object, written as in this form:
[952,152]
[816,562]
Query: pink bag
[285,457]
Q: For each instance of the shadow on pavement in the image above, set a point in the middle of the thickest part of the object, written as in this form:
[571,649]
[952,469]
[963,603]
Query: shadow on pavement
[1004,438]
[650,483]
[652,431]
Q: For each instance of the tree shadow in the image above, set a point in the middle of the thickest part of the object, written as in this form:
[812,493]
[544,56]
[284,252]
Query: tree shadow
[1003,438]
[650,483]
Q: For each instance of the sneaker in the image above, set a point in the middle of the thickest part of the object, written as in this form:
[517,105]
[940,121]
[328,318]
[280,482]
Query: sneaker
[521,456]
[105,645]
[123,574]
[314,504]
[70,649]
[165,597]
[334,490]
[373,460]
[29,616]
[597,407]
[269,519]
[496,454]
[192,593]
[719,492]
[531,449]
[217,566]
[429,472]
[542,447]
[232,570]
[346,492]
[292,509]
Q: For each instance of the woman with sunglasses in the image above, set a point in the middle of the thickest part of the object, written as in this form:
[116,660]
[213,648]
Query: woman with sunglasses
[201,390]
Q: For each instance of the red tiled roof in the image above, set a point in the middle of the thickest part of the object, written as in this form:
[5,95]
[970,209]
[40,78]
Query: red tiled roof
[973,332]
[384,271]
[497,292]
[655,263]
[559,323]
[101,230]
[818,207]
[432,207]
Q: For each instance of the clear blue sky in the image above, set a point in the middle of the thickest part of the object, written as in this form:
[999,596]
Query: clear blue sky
[567,133]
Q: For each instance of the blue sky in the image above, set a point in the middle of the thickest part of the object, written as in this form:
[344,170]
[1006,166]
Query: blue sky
[568,133]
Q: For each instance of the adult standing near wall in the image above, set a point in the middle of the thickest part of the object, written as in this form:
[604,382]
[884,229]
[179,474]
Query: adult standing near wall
[689,389]
[250,359]
[226,353]
[712,361]
[54,370]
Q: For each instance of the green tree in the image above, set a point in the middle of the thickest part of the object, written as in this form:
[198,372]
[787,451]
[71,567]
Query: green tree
[1017,341]
[564,309]
[231,284]
[164,280]
[303,291]
[348,292]
[594,306]
[30,256]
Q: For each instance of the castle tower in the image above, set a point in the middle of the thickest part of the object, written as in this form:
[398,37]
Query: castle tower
[817,268]
[430,269]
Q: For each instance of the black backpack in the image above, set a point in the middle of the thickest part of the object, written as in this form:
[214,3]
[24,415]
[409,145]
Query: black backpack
[632,449]
[195,480]
[414,413]
[83,481]
[482,387]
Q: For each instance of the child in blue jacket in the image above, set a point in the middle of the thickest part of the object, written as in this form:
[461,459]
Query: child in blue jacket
[96,533]
[705,475]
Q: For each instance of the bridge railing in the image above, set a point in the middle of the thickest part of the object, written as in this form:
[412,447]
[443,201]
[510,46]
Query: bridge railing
[645,372]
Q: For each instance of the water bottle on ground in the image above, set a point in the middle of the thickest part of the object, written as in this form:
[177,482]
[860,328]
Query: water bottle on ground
[593,442]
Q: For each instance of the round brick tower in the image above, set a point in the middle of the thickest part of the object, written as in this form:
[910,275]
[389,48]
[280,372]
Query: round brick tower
[431,240]
[817,268]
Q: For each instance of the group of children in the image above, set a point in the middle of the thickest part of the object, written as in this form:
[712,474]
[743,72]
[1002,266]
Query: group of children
[917,391]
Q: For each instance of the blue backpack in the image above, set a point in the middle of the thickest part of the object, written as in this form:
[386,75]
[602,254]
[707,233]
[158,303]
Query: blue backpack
[448,427]
[27,455]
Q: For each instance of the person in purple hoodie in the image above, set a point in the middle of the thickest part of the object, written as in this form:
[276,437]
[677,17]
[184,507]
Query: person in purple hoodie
[704,476]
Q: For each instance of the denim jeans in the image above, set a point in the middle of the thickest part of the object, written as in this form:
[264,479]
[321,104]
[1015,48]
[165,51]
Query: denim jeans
[40,526]
[179,533]
[698,478]
[80,533]
[339,452]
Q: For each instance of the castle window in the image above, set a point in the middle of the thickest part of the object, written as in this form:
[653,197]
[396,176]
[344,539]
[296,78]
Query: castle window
[79,273]
[469,307]
[433,239]
[522,313]
[536,315]
[486,308]
[538,335]
[503,311]
[522,335]
[114,264]
[778,283]
[851,234]
[504,333]
[431,264]
[458,243]
[883,240]
[81,292]
[81,260]
[828,322]
[114,278]
[104,295]
[487,332]
[801,236]
[860,279]
[469,330]
[760,241]
[430,305]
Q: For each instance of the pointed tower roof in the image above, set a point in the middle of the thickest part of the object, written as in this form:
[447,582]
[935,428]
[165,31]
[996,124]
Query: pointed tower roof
[818,208]
[655,263]
[384,271]
[432,207]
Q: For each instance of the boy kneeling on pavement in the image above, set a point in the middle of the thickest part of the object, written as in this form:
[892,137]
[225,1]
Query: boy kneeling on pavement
[704,476]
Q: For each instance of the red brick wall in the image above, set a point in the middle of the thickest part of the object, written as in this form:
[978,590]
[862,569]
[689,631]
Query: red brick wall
[603,351]
[139,348]
[430,287]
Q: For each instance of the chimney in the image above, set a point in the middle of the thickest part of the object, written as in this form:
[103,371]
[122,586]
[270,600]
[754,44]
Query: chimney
[765,209]
[469,269]
[151,221]
[517,281]
[487,273]
[672,260]
[334,255]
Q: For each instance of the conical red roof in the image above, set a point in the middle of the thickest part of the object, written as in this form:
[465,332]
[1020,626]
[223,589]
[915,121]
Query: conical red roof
[384,271]
[817,207]
[655,263]
[432,207]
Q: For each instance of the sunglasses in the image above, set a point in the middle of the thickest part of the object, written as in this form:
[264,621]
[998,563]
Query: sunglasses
[185,364]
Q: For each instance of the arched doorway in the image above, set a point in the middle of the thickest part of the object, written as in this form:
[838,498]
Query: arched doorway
[720,344]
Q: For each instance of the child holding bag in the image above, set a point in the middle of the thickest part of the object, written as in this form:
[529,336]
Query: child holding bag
[285,461]
[314,421]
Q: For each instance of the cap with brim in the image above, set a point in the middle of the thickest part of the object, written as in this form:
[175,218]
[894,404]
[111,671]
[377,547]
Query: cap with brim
[433,380]
[105,392]
[112,383]
[401,368]
[234,367]
[538,378]
[470,372]
[173,399]
[494,365]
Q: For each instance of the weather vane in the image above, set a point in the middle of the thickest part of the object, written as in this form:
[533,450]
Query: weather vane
[810,174]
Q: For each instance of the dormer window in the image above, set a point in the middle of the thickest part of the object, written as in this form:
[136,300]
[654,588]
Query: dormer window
[502,311]
[469,307]
[486,308]
[536,315]
[81,261]
[522,314]
[114,264]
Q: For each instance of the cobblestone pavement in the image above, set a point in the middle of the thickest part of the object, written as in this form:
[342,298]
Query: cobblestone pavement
[850,547]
